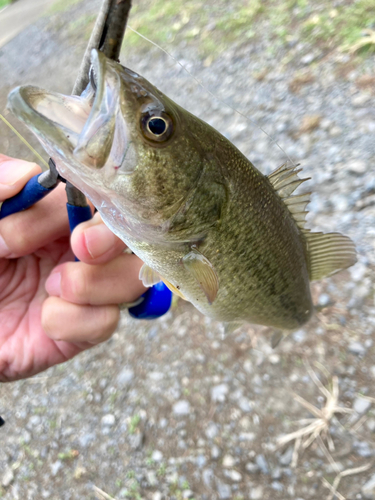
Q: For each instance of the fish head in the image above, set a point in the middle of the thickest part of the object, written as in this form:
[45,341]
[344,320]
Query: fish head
[127,146]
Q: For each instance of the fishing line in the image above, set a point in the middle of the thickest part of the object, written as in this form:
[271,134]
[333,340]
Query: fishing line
[250,120]
[24,141]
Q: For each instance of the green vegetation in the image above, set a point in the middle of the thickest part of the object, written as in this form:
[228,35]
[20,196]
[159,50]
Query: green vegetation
[61,6]
[134,421]
[210,26]
[3,3]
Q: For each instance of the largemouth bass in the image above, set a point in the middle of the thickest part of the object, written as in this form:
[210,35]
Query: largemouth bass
[183,198]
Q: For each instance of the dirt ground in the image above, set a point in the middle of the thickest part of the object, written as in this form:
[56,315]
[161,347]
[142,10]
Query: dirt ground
[173,408]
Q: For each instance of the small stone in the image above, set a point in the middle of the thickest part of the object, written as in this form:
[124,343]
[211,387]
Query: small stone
[86,439]
[358,271]
[233,475]
[181,408]
[187,494]
[360,100]
[224,490]
[207,476]
[274,359]
[244,404]
[228,461]
[157,456]
[335,131]
[308,59]
[8,478]
[136,440]
[219,393]
[370,424]
[125,377]
[262,464]
[299,336]
[212,430]
[251,467]
[287,456]
[324,300]
[357,348]
[108,420]
[276,473]
[276,485]
[361,405]
[215,452]
[256,493]
[157,495]
[55,467]
[368,489]
[200,461]
[358,167]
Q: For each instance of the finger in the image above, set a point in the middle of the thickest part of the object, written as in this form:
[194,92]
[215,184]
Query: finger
[14,174]
[62,320]
[92,242]
[46,221]
[111,283]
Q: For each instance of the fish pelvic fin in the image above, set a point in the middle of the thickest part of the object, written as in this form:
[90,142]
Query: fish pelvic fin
[203,272]
[285,181]
[148,276]
[327,254]
[276,338]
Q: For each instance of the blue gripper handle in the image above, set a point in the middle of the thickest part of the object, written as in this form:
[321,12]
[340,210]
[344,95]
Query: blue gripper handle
[30,194]
[77,215]
[157,301]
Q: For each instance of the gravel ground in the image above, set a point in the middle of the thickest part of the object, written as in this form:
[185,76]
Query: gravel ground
[173,409]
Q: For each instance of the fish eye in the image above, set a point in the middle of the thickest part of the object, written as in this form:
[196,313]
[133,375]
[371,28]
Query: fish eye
[157,126]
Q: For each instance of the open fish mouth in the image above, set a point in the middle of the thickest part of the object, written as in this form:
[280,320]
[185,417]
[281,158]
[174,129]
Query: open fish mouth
[89,130]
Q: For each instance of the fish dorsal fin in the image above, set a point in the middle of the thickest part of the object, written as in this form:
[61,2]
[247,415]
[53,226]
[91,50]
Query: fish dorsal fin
[328,253]
[148,276]
[285,181]
[204,273]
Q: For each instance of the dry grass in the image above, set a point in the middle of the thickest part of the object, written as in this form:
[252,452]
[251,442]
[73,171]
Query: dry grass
[317,426]
[317,429]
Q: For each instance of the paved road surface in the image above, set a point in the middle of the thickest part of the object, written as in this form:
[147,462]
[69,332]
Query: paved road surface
[17,16]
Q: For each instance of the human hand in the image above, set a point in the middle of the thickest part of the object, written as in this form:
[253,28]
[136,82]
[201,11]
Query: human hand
[52,308]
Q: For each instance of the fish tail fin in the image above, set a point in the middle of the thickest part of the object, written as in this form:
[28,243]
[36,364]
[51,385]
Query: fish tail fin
[328,253]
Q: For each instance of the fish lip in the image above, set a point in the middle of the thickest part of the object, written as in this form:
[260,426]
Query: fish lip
[23,102]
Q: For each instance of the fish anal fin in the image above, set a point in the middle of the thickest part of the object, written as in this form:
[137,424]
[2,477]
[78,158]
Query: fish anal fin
[203,272]
[328,253]
[174,289]
[285,181]
[148,276]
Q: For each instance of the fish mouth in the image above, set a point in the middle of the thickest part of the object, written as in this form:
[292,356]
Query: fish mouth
[89,130]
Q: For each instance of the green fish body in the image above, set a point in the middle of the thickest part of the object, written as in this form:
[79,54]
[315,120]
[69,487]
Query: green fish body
[185,200]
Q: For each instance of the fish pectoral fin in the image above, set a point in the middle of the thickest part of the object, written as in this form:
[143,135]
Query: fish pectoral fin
[203,272]
[148,276]
[328,253]
[232,326]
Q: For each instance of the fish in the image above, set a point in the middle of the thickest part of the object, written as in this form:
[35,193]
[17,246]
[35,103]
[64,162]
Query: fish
[203,219]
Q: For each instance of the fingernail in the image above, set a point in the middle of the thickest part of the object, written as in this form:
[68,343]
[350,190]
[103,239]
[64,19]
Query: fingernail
[14,170]
[4,249]
[99,239]
[53,284]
